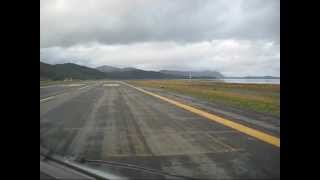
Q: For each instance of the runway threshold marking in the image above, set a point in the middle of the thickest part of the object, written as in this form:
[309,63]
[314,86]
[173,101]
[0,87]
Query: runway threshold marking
[229,123]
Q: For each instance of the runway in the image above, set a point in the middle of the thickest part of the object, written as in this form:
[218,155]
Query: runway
[116,122]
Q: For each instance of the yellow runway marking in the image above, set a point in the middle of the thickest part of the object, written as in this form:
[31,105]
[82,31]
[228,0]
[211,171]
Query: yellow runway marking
[244,129]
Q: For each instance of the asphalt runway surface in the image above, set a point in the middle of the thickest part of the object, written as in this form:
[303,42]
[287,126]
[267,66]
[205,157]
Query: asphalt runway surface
[114,122]
[47,91]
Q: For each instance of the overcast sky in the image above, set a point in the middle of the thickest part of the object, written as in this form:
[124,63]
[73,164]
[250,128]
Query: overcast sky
[236,38]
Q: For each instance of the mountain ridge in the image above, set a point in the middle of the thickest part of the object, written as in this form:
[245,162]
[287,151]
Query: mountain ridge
[194,74]
[106,68]
[75,71]
[68,70]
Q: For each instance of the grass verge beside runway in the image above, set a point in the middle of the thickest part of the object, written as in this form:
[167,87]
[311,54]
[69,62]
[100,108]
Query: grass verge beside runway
[263,98]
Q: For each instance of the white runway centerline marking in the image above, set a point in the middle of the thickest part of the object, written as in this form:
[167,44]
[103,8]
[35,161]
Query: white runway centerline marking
[74,85]
[111,85]
[83,87]
[47,99]
[54,96]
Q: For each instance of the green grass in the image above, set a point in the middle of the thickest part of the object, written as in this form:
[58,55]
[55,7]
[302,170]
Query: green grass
[263,98]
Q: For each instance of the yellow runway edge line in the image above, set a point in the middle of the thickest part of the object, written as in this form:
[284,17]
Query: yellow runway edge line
[244,129]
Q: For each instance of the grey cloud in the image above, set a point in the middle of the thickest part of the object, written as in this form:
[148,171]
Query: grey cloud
[238,37]
[231,57]
[68,23]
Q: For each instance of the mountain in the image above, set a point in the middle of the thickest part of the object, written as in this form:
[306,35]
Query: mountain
[46,71]
[130,69]
[132,73]
[108,69]
[74,71]
[194,74]
[68,70]
[115,69]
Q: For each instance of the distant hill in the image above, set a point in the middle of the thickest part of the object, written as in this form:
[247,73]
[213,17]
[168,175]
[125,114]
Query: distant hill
[116,69]
[74,71]
[194,74]
[132,69]
[108,69]
[46,71]
[68,70]
[132,73]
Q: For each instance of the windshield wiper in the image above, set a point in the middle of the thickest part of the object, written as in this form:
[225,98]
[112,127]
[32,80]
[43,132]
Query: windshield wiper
[50,155]
[47,155]
[133,167]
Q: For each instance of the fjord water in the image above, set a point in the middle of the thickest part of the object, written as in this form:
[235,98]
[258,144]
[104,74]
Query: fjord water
[252,81]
